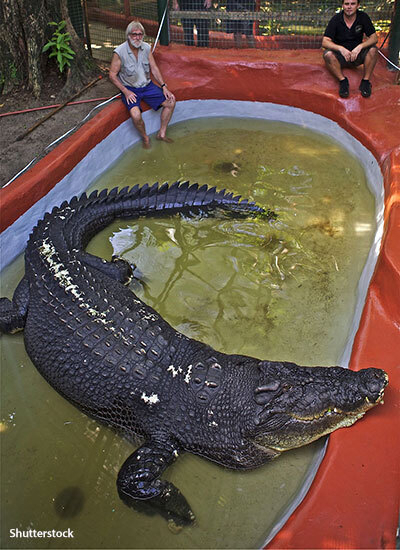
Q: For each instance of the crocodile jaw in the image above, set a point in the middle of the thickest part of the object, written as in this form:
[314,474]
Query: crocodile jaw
[306,430]
[302,430]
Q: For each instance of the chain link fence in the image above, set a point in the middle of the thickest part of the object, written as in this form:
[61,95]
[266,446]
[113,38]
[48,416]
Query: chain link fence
[274,24]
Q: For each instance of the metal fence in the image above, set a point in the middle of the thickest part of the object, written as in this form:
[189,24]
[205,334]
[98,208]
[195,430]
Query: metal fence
[274,24]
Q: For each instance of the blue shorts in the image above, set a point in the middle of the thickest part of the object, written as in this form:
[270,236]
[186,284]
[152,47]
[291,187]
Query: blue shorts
[151,94]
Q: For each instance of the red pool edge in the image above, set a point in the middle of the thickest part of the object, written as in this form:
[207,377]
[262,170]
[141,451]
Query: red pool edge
[354,499]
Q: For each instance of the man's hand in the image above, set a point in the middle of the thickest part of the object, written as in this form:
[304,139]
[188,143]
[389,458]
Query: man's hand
[346,53]
[130,96]
[355,52]
[168,94]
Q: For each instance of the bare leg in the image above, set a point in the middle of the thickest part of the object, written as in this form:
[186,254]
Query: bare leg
[137,120]
[166,114]
[370,62]
[333,65]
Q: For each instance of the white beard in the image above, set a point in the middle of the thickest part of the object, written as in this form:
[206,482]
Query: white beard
[134,43]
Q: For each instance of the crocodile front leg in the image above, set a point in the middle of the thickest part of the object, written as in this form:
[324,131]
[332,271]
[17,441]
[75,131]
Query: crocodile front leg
[13,313]
[139,485]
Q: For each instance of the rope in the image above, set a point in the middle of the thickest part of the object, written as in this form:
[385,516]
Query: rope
[34,109]
[384,57]
[388,60]
[59,139]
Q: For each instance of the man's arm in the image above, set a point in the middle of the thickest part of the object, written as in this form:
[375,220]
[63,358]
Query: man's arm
[329,44]
[370,41]
[158,76]
[115,67]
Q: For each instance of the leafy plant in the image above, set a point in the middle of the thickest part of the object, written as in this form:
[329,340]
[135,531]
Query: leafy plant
[59,46]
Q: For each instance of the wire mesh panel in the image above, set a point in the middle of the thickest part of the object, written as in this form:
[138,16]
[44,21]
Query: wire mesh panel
[108,20]
[273,24]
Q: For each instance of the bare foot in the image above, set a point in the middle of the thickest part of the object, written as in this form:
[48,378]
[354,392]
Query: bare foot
[146,143]
[165,138]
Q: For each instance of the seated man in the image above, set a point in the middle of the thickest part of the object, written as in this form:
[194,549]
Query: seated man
[343,40]
[130,68]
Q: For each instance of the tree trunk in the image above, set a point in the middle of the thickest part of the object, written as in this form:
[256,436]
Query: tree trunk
[83,67]
[22,35]
[24,30]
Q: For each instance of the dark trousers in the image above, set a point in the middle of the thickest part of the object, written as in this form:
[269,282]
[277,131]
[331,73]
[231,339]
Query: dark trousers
[202,31]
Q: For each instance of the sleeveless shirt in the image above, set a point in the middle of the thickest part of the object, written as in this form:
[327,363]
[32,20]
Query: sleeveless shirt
[134,72]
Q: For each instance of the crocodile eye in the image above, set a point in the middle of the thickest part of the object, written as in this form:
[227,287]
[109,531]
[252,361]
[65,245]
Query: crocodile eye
[273,385]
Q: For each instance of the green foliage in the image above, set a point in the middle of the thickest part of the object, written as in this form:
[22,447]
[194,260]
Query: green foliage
[59,46]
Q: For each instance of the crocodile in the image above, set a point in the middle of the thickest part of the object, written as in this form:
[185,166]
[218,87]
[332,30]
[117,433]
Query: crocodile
[121,363]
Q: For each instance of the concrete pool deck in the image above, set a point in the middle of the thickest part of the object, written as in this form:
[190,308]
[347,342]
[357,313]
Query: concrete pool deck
[353,502]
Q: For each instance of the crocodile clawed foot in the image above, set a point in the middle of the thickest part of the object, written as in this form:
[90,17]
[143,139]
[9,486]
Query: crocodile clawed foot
[170,504]
[140,487]
[175,505]
[13,313]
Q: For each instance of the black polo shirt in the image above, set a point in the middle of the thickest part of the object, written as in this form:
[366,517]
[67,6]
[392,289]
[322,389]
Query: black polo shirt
[339,32]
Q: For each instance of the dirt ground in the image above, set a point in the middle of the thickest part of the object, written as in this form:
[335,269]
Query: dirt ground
[16,154]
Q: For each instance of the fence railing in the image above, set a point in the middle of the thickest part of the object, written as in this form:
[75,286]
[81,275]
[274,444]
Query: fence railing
[283,24]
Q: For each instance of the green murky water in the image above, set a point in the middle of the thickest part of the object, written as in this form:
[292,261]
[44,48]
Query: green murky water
[276,290]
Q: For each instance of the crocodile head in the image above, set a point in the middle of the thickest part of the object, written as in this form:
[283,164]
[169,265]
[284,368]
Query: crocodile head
[296,405]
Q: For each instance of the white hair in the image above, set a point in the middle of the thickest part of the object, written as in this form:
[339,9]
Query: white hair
[134,25]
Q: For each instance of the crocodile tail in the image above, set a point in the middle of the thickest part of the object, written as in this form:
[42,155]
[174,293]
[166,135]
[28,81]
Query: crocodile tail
[75,222]
[177,196]
[181,196]
[149,200]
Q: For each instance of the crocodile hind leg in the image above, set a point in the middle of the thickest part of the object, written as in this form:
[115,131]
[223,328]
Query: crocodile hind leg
[118,269]
[139,485]
[13,312]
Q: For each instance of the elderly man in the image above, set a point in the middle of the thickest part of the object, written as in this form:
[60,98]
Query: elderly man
[130,69]
[343,40]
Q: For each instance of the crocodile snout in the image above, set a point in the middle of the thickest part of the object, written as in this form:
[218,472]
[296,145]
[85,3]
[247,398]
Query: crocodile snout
[373,382]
